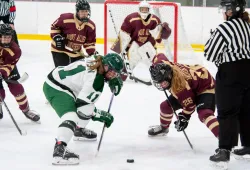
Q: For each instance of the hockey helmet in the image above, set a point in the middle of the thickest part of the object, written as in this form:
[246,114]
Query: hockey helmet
[5,30]
[114,62]
[237,6]
[161,72]
[144,4]
[83,5]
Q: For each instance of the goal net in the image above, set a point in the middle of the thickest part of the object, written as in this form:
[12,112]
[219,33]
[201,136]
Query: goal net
[177,47]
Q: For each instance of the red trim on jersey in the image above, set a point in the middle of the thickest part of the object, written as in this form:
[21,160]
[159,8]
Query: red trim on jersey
[13,9]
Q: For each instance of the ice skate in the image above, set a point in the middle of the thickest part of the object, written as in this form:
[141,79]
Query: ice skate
[82,134]
[32,115]
[157,130]
[220,159]
[63,156]
[242,154]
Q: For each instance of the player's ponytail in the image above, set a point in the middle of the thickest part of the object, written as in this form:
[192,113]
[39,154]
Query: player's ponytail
[178,81]
[245,16]
[97,64]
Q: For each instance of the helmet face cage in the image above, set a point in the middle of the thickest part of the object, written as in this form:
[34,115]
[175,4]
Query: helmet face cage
[110,73]
[160,73]
[83,5]
[144,4]
[5,30]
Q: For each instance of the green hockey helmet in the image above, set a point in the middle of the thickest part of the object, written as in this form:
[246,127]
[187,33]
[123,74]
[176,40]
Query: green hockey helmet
[114,61]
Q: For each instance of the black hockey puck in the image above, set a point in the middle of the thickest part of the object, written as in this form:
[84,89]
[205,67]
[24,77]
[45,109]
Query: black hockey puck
[130,161]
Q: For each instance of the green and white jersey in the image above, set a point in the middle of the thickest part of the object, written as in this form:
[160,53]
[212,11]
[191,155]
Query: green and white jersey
[78,81]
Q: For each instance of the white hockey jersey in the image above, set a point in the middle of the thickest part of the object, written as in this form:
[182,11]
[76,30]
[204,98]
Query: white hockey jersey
[78,81]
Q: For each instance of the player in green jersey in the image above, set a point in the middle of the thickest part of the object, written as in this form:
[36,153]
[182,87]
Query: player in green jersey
[72,92]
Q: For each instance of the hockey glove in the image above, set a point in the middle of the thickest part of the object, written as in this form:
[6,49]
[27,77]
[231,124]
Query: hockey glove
[166,31]
[103,116]
[60,41]
[182,122]
[115,85]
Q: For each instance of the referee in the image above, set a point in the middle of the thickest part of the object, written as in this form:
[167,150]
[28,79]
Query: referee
[229,48]
[8,14]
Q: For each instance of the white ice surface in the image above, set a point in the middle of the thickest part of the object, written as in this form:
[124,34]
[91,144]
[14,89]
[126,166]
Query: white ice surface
[135,109]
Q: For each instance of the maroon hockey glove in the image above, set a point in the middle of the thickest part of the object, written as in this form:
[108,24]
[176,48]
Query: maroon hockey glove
[166,31]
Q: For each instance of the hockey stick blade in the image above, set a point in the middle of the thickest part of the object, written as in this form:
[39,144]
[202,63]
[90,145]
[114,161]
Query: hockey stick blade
[148,83]
[23,133]
[22,79]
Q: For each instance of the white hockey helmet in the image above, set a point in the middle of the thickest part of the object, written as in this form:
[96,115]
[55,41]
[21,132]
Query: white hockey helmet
[144,4]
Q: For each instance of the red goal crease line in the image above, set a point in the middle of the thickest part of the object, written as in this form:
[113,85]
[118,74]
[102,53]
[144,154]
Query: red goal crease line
[196,47]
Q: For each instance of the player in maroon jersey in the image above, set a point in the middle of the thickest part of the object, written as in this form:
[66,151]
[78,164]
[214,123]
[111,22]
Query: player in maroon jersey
[9,56]
[72,31]
[135,38]
[191,87]
[69,33]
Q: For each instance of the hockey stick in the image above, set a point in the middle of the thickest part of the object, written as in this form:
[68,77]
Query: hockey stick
[127,65]
[148,83]
[190,144]
[104,126]
[22,133]
[22,79]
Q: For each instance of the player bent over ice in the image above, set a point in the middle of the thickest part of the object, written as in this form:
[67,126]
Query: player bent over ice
[190,87]
[10,53]
[73,90]
[135,38]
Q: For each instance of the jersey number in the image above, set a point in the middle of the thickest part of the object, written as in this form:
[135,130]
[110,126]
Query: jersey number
[91,97]
[63,74]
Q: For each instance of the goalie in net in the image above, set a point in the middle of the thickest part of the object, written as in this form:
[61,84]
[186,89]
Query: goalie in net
[135,41]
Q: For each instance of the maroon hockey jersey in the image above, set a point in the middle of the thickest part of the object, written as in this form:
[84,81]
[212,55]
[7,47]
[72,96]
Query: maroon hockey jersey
[76,35]
[8,58]
[199,81]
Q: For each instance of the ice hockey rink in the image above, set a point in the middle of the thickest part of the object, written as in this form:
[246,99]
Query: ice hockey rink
[135,109]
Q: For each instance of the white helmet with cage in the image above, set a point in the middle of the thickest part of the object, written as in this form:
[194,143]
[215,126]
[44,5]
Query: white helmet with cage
[144,4]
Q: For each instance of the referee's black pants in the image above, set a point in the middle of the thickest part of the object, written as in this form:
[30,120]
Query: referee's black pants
[233,103]
[5,20]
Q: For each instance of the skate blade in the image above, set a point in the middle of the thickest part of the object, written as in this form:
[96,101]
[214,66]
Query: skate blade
[220,165]
[61,161]
[243,157]
[159,135]
[36,122]
[83,139]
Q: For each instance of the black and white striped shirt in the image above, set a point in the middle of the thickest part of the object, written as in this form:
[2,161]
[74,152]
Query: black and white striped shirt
[7,7]
[230,42]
